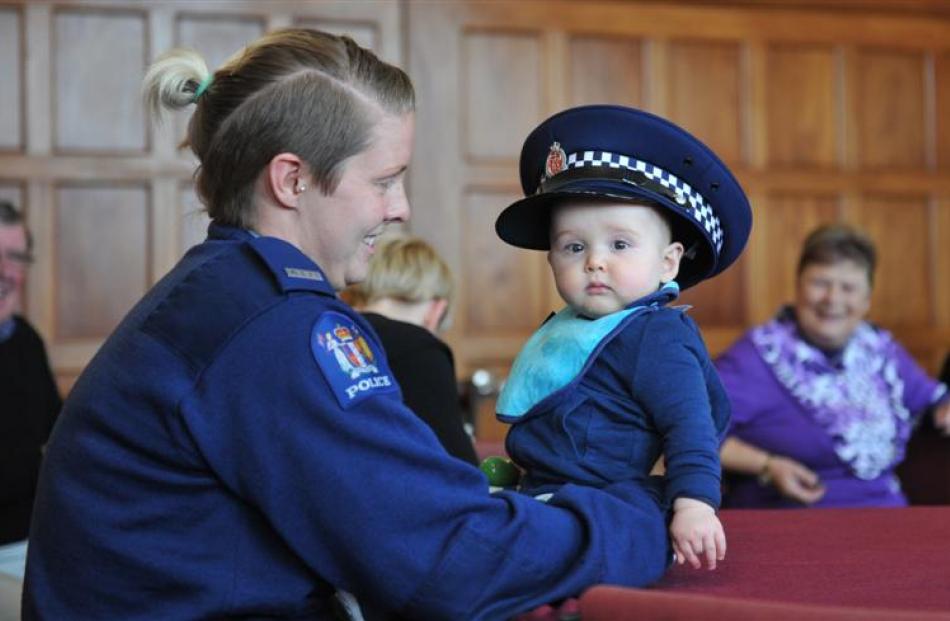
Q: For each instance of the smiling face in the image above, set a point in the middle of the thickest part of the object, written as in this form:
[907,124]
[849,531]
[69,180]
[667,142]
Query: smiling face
[832,299]
[340,230]
[606,255]
[14,250]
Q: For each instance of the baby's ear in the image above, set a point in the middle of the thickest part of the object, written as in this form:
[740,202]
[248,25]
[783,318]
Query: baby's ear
[672,255]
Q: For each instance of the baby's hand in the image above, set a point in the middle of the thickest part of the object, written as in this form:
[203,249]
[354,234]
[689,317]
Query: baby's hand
[696,531]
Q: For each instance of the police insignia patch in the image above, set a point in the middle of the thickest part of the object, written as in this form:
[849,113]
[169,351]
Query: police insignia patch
[347,360]
[556,162]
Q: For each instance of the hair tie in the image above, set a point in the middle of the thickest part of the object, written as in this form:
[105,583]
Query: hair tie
[202,88]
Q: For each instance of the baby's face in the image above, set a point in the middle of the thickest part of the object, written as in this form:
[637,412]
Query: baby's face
[606,255]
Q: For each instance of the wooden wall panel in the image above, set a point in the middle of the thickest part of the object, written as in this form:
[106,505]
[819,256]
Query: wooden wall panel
[100,273]
[890,101]
[940,244]
[801,106]
[110,198]
[782,224]
[719,302]
[366,33]
[899,226]
[703,89]
[502,91]
[510,279]
[942,110]
[11,70]
[216,38]
[194,219]
[96,90]
[606,70]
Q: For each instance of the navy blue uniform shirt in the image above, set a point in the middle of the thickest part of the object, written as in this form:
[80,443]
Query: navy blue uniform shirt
[237,449]
[650,390]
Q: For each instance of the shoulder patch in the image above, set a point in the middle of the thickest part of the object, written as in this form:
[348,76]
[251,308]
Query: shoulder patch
[350,365]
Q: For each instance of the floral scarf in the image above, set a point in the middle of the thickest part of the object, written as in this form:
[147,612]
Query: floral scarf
[856,396]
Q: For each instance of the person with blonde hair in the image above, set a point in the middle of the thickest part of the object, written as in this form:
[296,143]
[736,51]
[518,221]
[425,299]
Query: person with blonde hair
[238,447]
[406,298]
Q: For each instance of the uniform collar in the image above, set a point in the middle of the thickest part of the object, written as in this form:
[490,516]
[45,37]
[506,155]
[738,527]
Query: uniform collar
[293,270]
[223,231]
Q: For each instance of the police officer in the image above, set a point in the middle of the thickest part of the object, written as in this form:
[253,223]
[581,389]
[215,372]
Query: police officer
[238,447]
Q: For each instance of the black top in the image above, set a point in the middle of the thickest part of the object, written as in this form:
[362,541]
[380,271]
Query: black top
[424,367]
[29,404]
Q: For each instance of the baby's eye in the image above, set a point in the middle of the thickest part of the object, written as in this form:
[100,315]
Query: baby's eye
[387,183]
[621,245]
[574,247]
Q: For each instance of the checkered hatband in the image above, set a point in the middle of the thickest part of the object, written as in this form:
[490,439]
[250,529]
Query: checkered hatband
[692,203]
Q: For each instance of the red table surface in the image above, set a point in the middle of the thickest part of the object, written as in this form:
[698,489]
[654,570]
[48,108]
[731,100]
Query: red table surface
[870,558]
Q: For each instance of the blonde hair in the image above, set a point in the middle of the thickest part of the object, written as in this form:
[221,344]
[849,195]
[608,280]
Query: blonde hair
[301,91]
[406,269]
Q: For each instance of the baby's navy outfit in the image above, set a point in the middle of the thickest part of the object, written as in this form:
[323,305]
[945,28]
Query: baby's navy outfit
[642,386]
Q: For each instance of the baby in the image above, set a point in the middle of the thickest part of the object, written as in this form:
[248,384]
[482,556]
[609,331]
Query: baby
[631,209]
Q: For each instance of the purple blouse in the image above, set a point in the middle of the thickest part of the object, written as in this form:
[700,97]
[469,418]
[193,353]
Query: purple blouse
[847,415]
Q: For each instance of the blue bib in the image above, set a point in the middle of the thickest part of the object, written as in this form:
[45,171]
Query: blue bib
[560,351]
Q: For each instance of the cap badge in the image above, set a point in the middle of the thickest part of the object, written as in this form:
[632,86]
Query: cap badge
[556,162]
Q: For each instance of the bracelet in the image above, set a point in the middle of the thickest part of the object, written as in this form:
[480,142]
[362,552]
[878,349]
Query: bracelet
[765,477]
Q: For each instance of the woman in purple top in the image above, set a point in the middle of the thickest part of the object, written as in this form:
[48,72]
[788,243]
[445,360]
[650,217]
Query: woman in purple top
[823,402]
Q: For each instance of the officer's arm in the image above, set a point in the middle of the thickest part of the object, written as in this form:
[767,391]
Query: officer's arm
[368,499]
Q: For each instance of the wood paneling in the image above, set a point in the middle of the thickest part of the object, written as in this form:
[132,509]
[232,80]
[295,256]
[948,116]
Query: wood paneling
[703,94]
[503,284]
[365,33]
[782,223]
[939,239]
[941,113]
[110,199]
[96,90]
[801,106]
[606,70]
[216,37]
[890,106]
[194,219]
[502,91]
[719,302]
[101,257]
[11,70]
[899,226]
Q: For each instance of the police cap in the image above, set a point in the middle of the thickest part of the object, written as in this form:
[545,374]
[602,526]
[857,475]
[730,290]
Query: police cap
[615,153]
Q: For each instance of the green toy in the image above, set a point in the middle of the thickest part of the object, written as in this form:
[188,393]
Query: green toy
[501,472]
